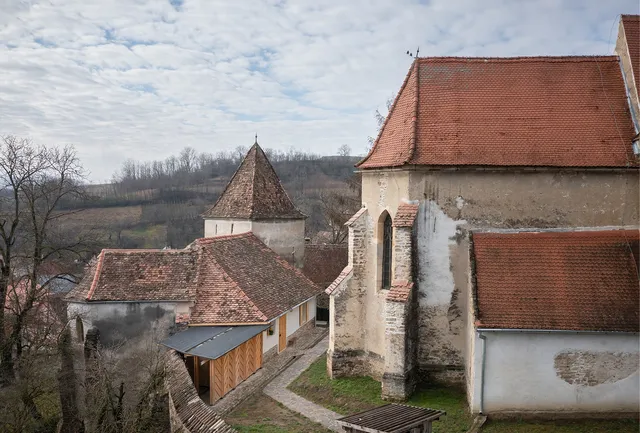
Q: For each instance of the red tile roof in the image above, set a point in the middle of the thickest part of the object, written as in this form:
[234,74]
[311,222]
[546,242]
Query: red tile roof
[346,273]
[323,263]
[586,280]
[406,215]
[356,216]
[151,275]
[232,279]
[631,25]
[246,282]
[254,192]
[399,291]
[535,111]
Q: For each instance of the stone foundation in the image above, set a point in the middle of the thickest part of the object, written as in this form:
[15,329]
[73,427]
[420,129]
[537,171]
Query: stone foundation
[347,364]
[447,375]
[398,387]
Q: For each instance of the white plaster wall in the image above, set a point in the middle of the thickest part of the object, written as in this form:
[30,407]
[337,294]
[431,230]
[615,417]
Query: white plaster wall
[222,227]
[521,373]
[285,237]
[293,321]
[312,308]
[293,318]
[123,319]
[441,322]
[270,341]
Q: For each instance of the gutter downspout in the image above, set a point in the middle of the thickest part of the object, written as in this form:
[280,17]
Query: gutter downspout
[482,369]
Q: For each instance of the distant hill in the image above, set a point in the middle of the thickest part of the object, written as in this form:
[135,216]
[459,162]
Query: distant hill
[149,207]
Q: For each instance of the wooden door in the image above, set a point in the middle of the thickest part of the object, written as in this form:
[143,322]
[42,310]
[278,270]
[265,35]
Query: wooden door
[282,332]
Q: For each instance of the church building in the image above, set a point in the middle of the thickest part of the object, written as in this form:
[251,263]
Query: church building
[499,224]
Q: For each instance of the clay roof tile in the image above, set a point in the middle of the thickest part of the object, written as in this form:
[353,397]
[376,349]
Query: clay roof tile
[254,192]
[522,111]
[580,280]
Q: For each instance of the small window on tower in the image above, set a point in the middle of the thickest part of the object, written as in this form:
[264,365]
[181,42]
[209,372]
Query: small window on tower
[231,228]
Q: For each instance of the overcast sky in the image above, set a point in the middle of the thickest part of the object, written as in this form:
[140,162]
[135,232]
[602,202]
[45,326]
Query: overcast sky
[143,78]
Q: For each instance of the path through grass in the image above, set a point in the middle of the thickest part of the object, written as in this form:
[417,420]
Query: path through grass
[351,395]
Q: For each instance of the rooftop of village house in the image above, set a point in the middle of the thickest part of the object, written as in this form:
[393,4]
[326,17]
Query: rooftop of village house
[234,278]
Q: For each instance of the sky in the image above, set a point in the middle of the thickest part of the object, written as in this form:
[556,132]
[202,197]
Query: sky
[142,79]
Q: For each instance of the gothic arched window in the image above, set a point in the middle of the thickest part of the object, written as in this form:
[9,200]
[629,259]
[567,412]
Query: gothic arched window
[387,251]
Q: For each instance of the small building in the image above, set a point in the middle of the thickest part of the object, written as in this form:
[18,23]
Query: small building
[476,145]
[555,322]
[255,201]
[238,291]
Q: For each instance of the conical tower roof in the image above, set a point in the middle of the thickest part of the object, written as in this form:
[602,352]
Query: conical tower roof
[254,192]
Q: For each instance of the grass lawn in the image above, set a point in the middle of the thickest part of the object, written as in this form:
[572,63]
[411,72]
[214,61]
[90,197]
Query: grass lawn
[261,414]
[351,395]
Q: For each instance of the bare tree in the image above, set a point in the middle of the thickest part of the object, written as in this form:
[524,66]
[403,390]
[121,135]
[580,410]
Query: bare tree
[337,207]
[380,119]
[344,150]
[34,182]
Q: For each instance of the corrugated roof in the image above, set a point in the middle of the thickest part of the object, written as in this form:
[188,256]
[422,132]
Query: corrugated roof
[212,342]
[581,280]
[254,192]
[525,111]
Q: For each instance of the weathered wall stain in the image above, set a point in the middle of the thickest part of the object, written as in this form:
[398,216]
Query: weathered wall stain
[591,368]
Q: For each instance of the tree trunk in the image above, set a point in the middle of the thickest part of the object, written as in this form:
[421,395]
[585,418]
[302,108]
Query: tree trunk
[7,375]
[71,421]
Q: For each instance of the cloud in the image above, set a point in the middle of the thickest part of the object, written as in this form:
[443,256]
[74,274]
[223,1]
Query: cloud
[142,79]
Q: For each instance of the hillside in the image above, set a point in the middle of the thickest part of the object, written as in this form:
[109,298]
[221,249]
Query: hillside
[164,211]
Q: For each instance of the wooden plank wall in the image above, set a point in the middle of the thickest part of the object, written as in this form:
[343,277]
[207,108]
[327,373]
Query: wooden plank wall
[234,367]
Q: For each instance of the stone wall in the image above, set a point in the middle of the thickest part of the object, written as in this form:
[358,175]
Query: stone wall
[627,69]
[451,204]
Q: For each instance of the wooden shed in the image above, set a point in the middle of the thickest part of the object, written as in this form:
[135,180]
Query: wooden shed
[219,358]
[391,418]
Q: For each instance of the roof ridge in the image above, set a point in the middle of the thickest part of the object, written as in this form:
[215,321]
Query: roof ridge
[386,120]
[566,58]
[413,139]
[243,198]
[96,276]
[257,148]
[285,263]
[212,239]
[230,182]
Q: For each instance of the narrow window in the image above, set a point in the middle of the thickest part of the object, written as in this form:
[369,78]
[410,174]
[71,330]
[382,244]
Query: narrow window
[232,228]
[216,229]
[79,329]
[387,246]
[304,314]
